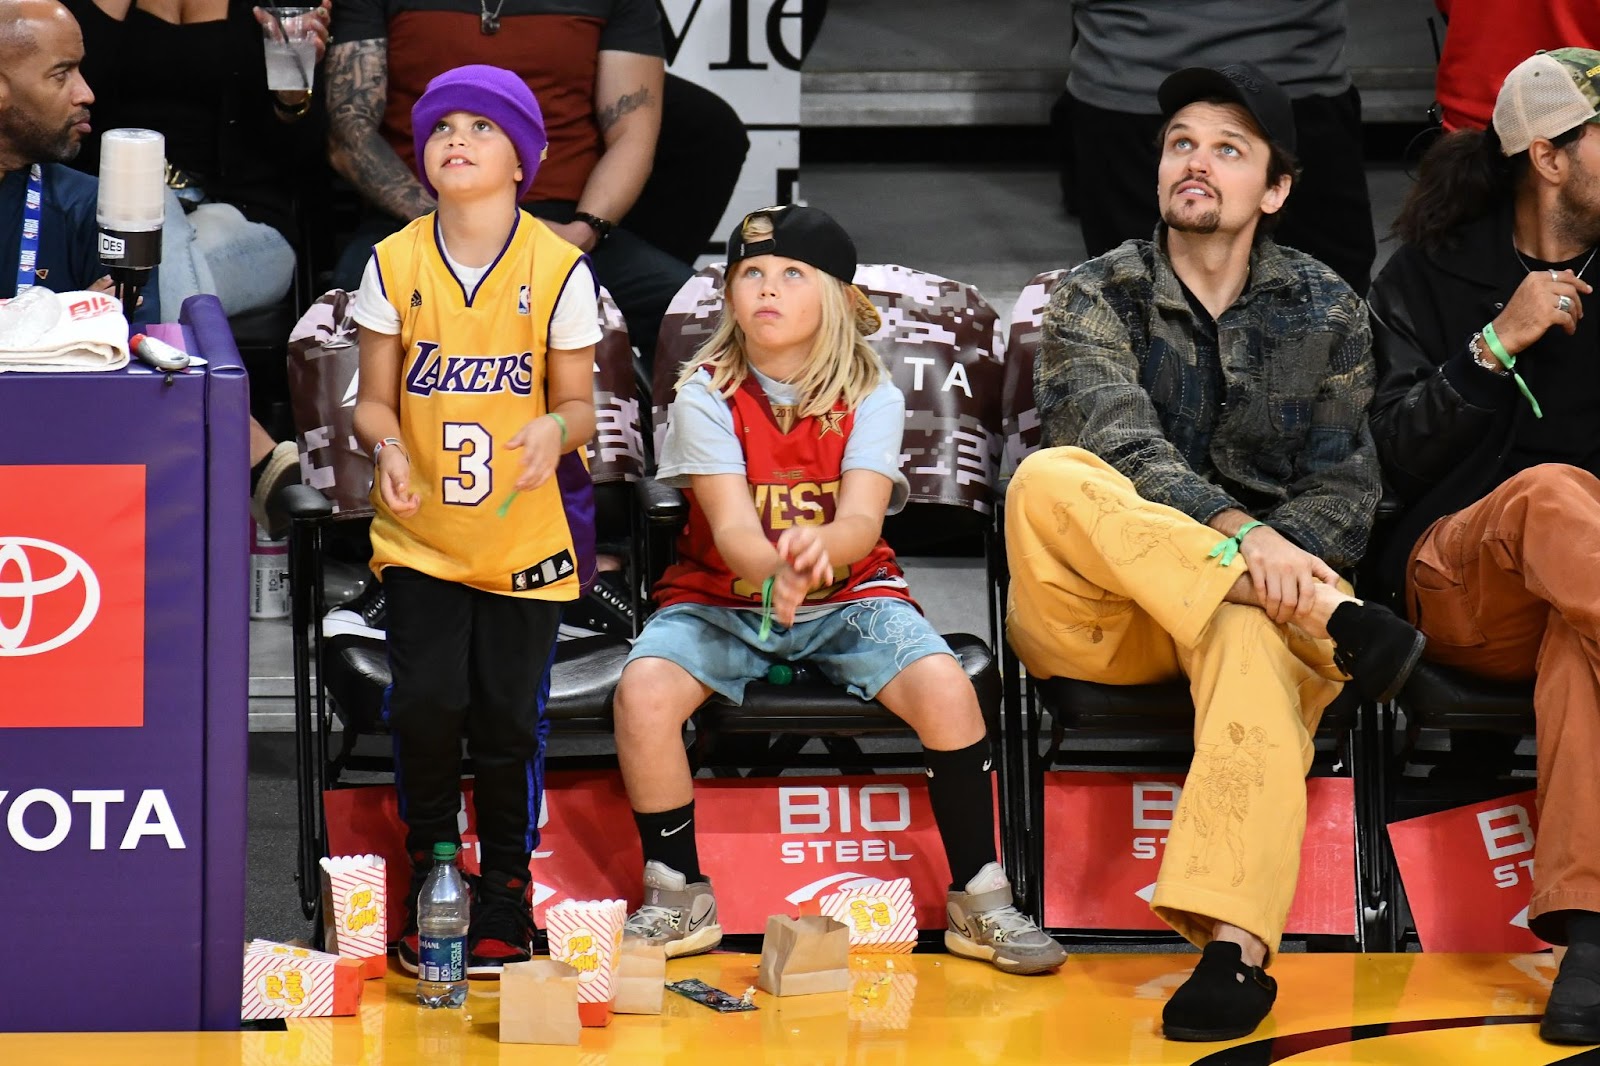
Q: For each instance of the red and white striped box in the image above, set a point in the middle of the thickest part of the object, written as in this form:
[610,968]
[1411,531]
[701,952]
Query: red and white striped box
[284,981]
[587,935]
[882,918]
[355,911]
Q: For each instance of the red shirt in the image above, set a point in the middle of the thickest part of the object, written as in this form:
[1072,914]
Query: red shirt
[1486,38]
[794,480]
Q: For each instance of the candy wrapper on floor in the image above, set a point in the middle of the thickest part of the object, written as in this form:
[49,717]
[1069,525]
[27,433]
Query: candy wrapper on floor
[355,911]
[539,1003]
[587,935]
[641,978]
[47,333]
[284,981]
[882,918]
[804,956]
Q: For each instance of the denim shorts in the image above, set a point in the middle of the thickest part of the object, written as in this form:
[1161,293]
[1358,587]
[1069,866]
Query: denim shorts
[861,645]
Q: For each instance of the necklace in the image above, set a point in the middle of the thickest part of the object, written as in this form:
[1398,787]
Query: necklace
[1529,269]
[489,21]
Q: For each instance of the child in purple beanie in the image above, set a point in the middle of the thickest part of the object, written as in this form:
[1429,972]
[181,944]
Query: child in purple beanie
[478,327]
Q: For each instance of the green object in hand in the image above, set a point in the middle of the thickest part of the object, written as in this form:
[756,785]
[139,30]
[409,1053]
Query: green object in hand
[766,608]
[504,507]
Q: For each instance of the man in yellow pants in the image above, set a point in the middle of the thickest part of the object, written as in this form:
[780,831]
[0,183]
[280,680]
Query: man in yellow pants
[1207,466]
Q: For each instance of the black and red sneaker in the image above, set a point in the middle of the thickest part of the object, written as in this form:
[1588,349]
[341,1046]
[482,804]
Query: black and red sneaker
[502,925]
[406,947]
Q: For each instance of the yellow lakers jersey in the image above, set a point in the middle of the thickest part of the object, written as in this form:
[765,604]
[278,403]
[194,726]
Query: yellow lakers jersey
[472,375]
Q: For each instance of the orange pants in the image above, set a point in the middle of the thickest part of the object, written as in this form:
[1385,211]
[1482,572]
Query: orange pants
[1109,587]
[1509,589]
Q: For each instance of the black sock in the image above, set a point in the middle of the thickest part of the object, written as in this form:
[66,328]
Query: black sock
[257,470]
[963,808]
[1583,927]
[668,838]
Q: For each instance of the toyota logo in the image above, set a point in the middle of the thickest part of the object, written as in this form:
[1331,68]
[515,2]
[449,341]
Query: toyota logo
[18,583]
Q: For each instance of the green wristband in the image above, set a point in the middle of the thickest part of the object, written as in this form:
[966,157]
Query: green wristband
[766,608]
[1227,549]
[1509,361]
[562,422]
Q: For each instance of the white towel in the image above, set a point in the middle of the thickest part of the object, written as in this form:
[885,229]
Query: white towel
[46,332]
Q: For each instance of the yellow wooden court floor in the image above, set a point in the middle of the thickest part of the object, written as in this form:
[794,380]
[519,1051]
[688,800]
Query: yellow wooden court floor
[915,1010]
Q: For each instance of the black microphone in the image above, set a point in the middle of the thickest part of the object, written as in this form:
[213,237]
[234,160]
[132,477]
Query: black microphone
[131,209]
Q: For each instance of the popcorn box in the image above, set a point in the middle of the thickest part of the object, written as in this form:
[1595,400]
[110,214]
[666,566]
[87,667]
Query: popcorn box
[882,918]
[355,911]
[283,981]
[587,935]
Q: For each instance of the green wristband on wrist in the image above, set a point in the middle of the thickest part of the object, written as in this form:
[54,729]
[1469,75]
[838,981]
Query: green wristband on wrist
[1492,341]
[1227,549]
[562,422]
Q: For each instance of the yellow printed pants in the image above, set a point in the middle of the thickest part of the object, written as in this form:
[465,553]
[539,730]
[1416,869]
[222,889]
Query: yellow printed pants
[1109,587]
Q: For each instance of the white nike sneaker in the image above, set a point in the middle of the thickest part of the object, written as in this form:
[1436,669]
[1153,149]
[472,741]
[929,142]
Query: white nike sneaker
[679,916]
[984,925]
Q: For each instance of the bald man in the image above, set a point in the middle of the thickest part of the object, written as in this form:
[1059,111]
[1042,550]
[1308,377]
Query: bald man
[44,117]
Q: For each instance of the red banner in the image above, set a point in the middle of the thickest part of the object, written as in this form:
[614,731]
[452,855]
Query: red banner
[72,596]
[1468,875]
[768,845]
[1105,835]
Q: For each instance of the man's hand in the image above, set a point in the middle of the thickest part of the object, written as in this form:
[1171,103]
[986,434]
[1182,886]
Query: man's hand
[1284,576]
[1535,308]
[577,234]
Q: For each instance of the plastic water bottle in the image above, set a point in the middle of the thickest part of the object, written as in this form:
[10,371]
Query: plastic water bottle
[442,912]
[788,674]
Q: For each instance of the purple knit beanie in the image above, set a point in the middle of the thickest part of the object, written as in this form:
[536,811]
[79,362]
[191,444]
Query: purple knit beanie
[496,94]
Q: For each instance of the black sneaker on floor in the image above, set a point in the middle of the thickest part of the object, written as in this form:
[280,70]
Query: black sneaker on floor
[502,925]
[1222,1000]
[365,616]
[605,608]
[1375,647]
[1572,1016]
[406,946]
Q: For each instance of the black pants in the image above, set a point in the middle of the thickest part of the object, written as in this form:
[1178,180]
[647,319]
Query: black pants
[1114,158]
[474,664]
[647,259]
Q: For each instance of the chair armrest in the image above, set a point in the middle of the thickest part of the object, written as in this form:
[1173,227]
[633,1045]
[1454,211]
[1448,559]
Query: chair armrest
[305,504]
[661,504]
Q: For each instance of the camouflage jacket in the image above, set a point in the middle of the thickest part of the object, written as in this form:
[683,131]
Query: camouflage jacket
[1118,375]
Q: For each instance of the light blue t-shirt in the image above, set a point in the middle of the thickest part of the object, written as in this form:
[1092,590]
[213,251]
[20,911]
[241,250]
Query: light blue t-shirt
[701,439]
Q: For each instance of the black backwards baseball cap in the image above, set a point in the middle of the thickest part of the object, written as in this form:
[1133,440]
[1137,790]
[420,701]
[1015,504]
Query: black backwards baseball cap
[809,235]
[1242,83]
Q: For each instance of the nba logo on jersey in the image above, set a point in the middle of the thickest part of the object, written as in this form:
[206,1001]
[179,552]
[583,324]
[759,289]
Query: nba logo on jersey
[522,300]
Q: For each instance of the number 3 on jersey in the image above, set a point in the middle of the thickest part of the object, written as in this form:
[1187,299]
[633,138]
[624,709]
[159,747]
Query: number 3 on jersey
[473,448]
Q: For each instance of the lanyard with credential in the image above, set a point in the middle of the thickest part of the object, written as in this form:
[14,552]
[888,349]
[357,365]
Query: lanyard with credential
[32,208]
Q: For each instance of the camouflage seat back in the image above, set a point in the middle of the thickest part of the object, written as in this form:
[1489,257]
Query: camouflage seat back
[323,364]
[1018,411]
[941,343]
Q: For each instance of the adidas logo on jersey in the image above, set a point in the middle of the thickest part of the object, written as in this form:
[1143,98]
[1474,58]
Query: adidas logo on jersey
[416,298]
[543,573]
[471,374]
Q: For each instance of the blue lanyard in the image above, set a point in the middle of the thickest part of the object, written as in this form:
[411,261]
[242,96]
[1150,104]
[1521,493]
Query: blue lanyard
[32,204]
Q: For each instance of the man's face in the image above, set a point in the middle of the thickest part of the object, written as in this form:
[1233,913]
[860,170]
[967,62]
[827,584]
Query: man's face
[1213,174]
[1579,198]
[44,101]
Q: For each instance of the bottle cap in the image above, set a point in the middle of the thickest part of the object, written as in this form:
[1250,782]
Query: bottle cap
[780,674]
[444,852]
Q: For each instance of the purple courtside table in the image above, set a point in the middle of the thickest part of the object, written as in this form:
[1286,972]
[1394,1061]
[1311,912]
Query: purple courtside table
[124,663]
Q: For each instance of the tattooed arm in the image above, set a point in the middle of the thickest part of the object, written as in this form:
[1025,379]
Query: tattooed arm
[627,98]
[357,76]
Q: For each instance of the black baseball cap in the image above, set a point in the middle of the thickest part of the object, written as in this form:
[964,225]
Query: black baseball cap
[1244,84]
[810,235]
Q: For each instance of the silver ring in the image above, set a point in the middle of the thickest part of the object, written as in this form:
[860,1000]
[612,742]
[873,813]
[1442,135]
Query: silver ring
[1554,276]
[1563,304]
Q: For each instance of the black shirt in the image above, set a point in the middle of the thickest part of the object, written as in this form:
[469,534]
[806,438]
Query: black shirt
[1564,375]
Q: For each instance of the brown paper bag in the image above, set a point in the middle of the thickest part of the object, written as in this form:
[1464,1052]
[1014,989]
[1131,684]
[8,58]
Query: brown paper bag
[539,1003]
[803,956]
[641,978]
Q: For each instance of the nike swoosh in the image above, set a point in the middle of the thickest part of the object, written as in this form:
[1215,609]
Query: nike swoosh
[681,828]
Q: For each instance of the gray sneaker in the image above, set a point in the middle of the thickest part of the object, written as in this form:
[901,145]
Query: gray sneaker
[680,917]
[984,925]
